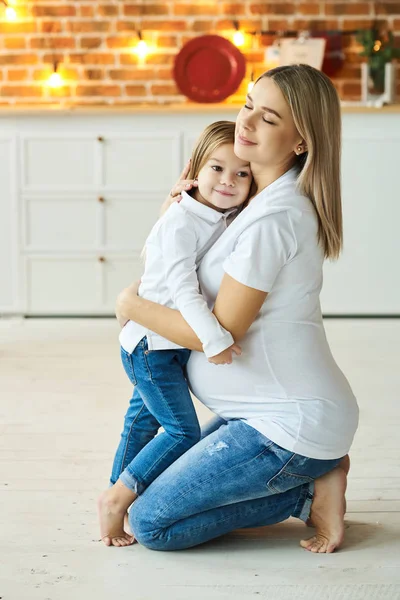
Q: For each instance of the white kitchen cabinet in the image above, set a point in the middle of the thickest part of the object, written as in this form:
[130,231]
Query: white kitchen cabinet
[366,279]
[118,272]
[80,191]
[9,290]
[140,162]
[61,222]
[85,222]
[54,162]
[61,284]
[87,206]
[128,219]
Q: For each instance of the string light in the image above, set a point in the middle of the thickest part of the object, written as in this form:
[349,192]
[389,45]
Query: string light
[141,49]
[55,80]
[11,13]
[238,36]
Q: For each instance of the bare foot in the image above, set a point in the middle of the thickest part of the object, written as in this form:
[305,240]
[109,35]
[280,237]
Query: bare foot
[327,512]
[127,527]
[345,465]
[111,517]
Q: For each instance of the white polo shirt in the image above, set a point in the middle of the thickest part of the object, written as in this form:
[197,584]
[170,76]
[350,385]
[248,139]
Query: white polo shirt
[174,249]
[286,384]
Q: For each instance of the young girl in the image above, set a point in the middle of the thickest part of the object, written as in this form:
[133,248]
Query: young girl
[154,365]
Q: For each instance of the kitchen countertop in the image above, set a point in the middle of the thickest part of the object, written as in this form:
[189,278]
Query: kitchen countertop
[175,108]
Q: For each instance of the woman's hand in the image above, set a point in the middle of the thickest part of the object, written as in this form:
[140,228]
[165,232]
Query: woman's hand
[180,185]
[225,357]
[125,302]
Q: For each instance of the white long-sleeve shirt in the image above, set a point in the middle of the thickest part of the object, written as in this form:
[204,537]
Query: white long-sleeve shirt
[174,249]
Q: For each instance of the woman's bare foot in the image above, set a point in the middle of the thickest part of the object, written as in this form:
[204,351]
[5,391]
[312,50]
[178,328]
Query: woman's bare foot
[327,512]
[345,465]
[112,505]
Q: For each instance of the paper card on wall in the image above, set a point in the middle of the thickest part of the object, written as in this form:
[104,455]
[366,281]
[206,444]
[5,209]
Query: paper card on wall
[272,56]
[309,52]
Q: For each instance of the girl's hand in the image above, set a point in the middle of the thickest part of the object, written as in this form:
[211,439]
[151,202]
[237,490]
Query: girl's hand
[225,357]
[180,185]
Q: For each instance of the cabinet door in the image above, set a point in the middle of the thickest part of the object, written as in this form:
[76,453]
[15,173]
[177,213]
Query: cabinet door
[78,284]
[141,161]
[62,223]
[8,227]
[128,219]
[117,273]
[63,285]
[59,162]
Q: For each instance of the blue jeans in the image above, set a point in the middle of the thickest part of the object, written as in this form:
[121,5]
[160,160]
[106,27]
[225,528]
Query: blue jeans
[161,398]
[234,478]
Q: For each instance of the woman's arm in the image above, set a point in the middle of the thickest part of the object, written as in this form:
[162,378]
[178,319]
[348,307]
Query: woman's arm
[235,315]
[237,305]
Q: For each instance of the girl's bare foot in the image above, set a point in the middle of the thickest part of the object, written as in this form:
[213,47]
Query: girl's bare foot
[127,527]
[112,505]
[327,512]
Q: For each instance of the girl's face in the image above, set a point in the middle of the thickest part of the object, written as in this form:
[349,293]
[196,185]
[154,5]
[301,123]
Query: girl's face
[224,181]
[265,131]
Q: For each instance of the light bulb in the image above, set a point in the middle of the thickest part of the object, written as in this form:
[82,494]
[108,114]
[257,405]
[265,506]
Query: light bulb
[55,80]
[238,39]
[141,49]
[11,14]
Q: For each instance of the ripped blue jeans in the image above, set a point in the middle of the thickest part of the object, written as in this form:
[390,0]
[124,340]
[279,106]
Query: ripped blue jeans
[234,478]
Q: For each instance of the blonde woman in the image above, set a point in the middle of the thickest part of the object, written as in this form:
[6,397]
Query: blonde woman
[286,415]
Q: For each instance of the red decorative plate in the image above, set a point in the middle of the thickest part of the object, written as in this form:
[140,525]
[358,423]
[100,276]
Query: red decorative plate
[209,68]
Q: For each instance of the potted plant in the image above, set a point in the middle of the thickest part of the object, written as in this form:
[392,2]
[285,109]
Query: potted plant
[378,75]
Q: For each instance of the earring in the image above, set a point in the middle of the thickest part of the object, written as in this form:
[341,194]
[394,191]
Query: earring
[299,149]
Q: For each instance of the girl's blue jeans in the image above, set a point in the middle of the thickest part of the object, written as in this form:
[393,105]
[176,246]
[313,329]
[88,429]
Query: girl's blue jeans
[160,398]
[233,478]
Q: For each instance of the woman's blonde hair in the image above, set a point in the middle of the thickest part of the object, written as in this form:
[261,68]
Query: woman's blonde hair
[214,135]
[315,107]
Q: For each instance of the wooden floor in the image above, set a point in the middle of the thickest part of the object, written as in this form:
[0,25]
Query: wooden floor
[63,397]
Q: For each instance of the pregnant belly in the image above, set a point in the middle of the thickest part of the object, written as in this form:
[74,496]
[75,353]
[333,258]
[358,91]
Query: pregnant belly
[232,391]
[255,385]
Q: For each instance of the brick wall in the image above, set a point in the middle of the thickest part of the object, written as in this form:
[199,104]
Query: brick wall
[92,41]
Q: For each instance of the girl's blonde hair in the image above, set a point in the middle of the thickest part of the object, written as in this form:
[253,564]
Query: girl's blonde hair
[214,135]
[315,107]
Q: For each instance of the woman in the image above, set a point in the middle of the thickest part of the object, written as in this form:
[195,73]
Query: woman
[286,413]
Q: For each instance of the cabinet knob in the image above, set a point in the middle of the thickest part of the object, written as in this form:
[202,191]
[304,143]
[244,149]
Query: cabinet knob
[101,199]
[102,259]
[100,138]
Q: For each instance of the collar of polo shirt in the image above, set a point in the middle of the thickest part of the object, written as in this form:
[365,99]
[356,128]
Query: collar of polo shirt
[206,212]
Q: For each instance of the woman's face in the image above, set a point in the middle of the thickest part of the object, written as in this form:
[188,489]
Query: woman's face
[265,131]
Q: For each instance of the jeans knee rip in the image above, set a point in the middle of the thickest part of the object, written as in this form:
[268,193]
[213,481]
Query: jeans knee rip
[217,447]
